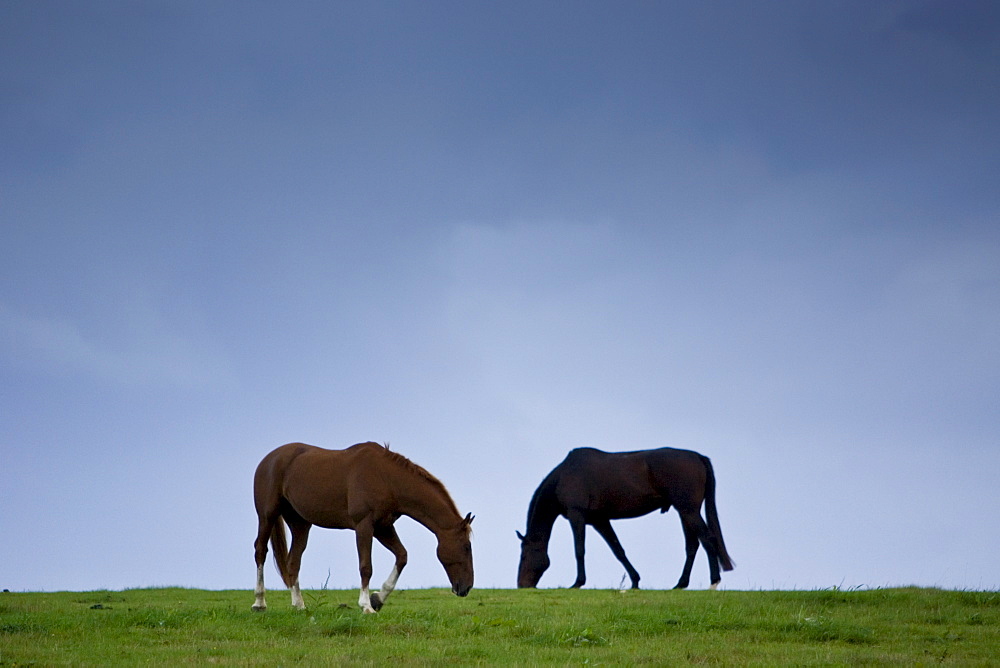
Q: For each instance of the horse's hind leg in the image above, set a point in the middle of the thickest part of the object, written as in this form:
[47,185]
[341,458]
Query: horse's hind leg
[695,533]
[264,527]
[604,528]
[388,537]
[690,547]
[300,536]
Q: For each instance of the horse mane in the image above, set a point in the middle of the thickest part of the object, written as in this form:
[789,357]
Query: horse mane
[421,472]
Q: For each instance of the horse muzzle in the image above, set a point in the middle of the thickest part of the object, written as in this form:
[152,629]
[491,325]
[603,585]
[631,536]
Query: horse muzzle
[461,589]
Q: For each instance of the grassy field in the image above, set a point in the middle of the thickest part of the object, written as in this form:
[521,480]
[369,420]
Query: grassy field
[500,626]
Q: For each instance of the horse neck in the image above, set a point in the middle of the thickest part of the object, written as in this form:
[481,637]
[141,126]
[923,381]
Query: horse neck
[429,505]
[542,512]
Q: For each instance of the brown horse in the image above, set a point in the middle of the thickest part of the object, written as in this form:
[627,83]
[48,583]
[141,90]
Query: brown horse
[594,487]
[365,487]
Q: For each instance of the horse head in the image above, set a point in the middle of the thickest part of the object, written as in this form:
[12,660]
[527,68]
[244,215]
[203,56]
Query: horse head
[534,562]
[454,551]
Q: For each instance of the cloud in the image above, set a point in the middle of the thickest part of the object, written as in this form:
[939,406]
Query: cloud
[150,354]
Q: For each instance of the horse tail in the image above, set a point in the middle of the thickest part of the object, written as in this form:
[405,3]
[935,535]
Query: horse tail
[279,547]
[712,515]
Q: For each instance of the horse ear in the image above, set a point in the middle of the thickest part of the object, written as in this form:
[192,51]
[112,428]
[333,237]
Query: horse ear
[519,536]
[468,519]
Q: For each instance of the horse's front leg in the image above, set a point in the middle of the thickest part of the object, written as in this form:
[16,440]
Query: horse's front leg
[363,533]
[579,535]
[604,528]
[388,537]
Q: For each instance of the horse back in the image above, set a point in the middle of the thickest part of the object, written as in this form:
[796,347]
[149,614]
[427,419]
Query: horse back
[323,487]
[630,484]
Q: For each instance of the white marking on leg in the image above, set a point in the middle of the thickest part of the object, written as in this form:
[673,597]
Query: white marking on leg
[365,601]
[297,601]
[259,603]
[389,585]
[714,586]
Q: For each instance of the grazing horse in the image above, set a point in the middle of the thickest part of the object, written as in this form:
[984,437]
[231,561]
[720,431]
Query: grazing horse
[365,487]
[594,487]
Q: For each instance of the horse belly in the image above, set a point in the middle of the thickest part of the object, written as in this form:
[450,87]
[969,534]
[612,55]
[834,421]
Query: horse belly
[326,518]
[624,503]
[636,507]
[317,494]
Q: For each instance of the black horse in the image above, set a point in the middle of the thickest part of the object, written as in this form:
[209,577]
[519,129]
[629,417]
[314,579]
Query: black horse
[594,487]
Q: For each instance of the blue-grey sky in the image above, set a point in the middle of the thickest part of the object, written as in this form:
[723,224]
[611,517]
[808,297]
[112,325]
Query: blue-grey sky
[488,233]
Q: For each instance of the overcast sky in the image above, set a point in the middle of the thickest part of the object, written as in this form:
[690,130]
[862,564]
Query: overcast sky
[488,233]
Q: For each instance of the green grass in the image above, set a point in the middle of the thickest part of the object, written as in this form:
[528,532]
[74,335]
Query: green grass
[500,626]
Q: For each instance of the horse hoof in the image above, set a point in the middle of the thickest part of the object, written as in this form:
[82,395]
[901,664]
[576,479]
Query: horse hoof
[377,602]
[258,608]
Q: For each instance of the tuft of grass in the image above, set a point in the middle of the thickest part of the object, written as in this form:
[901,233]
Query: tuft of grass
[431,626]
